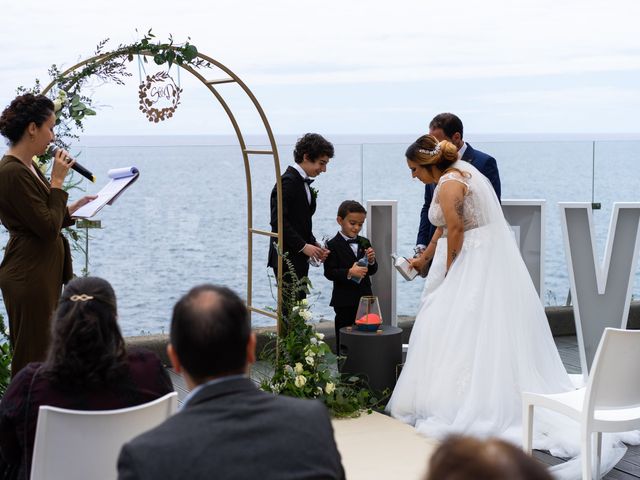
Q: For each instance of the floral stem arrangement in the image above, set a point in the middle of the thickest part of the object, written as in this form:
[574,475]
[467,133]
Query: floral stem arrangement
[303,364]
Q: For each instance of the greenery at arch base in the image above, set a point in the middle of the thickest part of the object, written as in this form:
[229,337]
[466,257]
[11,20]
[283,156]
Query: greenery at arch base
[303,364]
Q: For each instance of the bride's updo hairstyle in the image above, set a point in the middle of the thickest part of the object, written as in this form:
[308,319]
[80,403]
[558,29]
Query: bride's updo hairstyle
[23,110]
[427,152]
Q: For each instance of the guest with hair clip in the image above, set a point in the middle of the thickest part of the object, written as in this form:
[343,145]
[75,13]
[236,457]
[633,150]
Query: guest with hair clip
[37,259]
[88,368]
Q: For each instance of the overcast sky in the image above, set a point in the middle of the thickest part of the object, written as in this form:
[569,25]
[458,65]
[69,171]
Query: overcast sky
[353,66]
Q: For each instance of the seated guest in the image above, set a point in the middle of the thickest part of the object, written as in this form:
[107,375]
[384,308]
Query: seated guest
[87,368]
[468,458]
[228,428]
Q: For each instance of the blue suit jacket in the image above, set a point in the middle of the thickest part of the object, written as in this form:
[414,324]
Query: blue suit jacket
[483,162]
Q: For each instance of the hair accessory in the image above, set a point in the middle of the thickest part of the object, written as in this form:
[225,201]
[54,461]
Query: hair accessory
[80,298]
[433,152]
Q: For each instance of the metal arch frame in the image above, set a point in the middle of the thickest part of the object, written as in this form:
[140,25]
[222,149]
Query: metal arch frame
[233,78]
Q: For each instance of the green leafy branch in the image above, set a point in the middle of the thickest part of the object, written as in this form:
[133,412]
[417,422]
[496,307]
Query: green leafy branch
[303,364]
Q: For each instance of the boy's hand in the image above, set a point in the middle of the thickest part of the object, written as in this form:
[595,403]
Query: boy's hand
[371,255]
[357,271]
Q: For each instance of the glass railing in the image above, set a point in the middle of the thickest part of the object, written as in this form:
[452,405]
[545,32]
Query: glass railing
[184,221]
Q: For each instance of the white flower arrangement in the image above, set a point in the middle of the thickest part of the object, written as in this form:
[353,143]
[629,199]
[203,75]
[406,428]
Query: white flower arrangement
[300,381]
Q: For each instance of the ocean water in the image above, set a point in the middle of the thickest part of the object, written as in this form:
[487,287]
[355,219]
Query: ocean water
[184,221]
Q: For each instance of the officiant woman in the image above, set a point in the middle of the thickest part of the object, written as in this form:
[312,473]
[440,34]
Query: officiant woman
[37,259]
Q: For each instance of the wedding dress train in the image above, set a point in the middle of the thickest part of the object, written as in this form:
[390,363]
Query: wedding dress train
[481,338]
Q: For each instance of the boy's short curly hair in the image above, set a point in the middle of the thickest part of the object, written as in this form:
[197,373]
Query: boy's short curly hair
[314,146]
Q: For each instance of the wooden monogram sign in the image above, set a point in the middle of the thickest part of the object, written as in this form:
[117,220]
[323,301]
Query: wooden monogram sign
[159,97]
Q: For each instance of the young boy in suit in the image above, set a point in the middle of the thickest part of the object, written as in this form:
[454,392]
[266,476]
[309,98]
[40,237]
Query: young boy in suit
[350,263]
[311,155]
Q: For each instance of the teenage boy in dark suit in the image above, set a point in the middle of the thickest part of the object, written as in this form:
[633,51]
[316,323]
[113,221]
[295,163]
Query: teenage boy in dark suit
[311,154]
[350,278]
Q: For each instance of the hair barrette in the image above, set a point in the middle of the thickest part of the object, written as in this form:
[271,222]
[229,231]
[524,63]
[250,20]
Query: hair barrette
[80,298]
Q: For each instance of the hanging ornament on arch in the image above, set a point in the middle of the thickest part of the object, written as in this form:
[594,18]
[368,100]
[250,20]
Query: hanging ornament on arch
[159,96]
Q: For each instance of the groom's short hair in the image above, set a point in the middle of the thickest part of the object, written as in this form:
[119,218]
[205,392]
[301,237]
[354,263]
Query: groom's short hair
[210,329]
[449,123]
[314,146]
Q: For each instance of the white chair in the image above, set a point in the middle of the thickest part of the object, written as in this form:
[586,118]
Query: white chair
[610,402]
[81,444]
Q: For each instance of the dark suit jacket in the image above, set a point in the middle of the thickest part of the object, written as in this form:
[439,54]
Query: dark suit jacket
[483,162]
[346,293]
[232,430]
[296,215]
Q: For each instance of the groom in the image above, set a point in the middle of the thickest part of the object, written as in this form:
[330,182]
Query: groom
[447,126]
[311,154]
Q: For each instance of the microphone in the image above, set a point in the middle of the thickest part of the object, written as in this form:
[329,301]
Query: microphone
[76,166]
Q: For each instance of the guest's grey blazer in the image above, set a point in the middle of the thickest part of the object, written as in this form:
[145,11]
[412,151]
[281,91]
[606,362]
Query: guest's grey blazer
[232,430]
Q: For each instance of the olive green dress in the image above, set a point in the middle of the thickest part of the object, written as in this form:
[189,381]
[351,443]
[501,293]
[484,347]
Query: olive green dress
[37,260]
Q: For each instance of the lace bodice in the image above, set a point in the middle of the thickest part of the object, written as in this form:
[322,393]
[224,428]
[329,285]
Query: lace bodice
[470,209]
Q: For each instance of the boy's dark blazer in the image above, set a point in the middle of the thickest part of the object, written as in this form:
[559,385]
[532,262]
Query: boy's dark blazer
[297,226]
[346,293]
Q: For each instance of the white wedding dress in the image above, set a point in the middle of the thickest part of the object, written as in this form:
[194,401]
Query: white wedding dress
[481,338]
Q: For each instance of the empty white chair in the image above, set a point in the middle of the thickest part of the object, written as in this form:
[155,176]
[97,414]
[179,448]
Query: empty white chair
[83,444]
[610,402]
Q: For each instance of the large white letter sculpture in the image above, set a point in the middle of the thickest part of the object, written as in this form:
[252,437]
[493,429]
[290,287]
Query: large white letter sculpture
[601,292]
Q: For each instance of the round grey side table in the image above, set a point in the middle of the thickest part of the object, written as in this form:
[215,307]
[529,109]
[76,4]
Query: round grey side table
[375,355]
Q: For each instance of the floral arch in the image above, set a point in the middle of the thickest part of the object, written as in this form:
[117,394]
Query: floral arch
[111,66]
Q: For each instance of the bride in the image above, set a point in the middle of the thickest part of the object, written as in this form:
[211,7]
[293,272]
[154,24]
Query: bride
[480,336]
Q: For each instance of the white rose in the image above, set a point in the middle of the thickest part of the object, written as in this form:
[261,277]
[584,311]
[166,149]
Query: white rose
[57,104]
[314,341]
[309,360]
[298,368]
[329,388]
[320,336]
[309,353]
[288,370]
[306,315]
[62,94]
[304,301]
[300,381]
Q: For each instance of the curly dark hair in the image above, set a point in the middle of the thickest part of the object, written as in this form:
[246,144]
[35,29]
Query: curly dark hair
[314,146]
[87,349]
[23,110]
